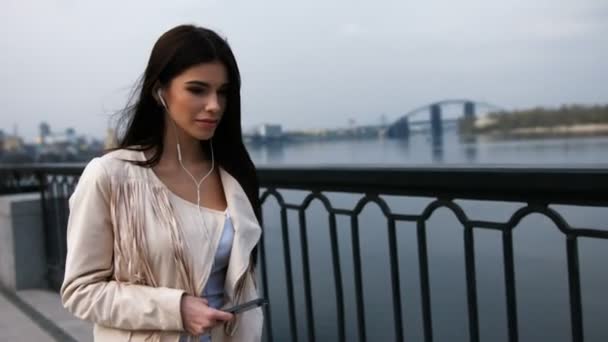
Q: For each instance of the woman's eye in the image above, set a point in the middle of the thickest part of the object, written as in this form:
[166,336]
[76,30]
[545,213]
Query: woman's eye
[196,91]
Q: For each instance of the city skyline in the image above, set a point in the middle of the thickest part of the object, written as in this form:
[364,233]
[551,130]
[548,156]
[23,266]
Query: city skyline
[48,131]
[306,65]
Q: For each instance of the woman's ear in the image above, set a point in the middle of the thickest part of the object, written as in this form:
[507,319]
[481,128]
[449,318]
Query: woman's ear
[155,88]
[157,94]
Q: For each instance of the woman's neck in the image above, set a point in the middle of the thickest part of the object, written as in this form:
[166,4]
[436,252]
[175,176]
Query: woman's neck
[192,152]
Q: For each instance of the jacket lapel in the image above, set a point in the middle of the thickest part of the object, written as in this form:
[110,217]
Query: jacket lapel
[247,230]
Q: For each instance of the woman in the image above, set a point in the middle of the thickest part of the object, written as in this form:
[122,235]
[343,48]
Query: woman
[163,230]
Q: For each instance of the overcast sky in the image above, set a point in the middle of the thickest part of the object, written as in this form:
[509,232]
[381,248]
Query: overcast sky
[306,64]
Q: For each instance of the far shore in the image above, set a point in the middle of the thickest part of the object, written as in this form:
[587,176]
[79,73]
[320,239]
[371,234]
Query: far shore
[580,130]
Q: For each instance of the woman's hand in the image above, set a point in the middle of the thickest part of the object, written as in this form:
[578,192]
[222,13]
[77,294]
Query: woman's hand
[198,317]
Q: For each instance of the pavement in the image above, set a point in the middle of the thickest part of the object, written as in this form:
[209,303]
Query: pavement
[37,315]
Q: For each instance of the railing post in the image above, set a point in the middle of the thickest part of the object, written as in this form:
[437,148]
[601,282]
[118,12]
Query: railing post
[42,184]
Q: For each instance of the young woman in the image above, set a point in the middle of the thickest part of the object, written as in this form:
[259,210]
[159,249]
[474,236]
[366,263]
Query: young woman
[163,230]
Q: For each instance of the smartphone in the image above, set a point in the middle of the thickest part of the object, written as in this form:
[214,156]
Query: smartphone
[246,306]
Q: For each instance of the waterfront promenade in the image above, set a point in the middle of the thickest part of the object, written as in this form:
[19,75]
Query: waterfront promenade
[37,315]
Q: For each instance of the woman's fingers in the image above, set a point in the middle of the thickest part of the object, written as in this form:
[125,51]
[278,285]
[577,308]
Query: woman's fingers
[219,315]
[199,317]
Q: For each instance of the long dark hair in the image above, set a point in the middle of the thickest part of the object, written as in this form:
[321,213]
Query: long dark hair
[142,123]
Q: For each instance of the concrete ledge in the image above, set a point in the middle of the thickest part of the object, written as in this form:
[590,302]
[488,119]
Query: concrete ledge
[22,243]
[26,322]
[48,304]
[28,310]
[16,324]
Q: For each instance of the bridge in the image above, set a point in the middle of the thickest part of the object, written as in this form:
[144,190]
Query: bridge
[401,128]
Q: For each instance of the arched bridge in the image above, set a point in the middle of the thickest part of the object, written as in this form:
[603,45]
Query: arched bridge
[401,127]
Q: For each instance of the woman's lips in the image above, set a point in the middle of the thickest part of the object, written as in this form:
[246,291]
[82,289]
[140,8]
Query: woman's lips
[206,123]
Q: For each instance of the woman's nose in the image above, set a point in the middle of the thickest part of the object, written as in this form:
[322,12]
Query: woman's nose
[213,103]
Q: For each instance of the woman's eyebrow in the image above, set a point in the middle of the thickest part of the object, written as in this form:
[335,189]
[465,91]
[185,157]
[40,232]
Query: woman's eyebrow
[205,84]
[200,83]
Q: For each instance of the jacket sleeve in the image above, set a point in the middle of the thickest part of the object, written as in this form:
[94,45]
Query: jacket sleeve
[88,291]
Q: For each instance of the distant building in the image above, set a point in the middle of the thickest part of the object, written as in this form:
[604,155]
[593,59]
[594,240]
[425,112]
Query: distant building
[70,134]
[269,131]
[44,132]
[265,133]
[12,149]
[484,121]
[11,143]
[61,140]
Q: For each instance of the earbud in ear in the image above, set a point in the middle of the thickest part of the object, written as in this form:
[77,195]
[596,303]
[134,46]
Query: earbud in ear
[159,93]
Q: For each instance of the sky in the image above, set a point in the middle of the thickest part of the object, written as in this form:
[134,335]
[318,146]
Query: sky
[305,64]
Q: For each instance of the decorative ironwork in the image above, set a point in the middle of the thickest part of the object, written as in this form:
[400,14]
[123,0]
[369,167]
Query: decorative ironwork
[537,187]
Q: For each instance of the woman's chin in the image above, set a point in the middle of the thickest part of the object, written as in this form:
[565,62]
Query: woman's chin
[203,135]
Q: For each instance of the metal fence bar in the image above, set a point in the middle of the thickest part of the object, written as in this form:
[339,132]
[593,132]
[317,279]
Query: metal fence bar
[335,257]
[576,312]
[264,276]
[509,270]
[41,176]
[56,207]
[356,247]
[424,282]
[288,274]
[469,250]
[306,274]
[396,288]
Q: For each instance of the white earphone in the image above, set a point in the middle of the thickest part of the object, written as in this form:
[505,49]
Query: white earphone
[159,93]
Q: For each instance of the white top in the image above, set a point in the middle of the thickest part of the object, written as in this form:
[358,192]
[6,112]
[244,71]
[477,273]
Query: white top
[214,290]
[188,218]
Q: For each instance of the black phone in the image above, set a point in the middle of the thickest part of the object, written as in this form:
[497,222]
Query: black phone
[246,306]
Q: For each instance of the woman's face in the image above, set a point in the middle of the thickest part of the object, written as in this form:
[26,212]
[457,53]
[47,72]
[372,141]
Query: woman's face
[197,99]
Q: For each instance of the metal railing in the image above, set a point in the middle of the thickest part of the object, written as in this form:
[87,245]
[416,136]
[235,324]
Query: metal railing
[536,188]
[55,183]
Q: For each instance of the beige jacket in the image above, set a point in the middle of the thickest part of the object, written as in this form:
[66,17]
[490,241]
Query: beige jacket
[128,265]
